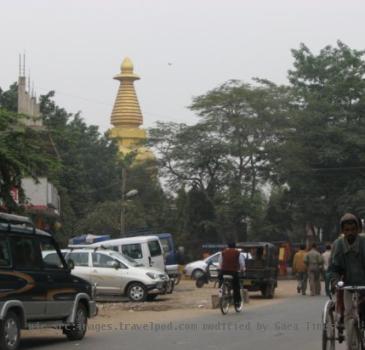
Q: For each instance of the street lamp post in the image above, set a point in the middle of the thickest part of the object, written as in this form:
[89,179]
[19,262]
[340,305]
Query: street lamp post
[122,211]
[125,197]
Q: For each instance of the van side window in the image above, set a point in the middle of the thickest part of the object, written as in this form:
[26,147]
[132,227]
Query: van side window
[155,248]
[134,251]
[165,245]
[5,260]
[52,260]
[25,253]
[79,259]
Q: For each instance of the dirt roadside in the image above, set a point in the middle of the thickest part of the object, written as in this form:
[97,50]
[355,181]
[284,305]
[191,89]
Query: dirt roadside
[186,302]
[187,296]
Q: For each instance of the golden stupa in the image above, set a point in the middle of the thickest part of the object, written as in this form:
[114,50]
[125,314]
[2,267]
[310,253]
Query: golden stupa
[127,117]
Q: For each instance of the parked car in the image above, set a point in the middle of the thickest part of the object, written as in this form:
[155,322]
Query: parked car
[197,269]
[34,293]
[115,274]
[146,250]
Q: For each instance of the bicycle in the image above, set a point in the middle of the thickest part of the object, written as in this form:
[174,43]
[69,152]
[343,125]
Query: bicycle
[226,299]
[333,326]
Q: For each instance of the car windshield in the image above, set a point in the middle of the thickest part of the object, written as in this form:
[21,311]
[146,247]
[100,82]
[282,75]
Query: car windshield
[126,259]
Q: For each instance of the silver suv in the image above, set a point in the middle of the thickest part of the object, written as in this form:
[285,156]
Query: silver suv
[116,274]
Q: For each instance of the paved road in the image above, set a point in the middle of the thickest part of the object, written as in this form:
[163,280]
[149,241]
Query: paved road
[292,324]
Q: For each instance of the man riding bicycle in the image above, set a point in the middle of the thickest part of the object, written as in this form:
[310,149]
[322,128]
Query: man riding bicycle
[232,262]
[348,264]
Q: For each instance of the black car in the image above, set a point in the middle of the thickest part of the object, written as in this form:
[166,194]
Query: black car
[36,294]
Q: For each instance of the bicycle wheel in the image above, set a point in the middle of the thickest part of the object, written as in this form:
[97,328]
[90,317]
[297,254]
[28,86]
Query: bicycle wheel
[224,299]
[329,327]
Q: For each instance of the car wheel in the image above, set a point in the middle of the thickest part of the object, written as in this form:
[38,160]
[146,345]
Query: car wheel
[197,273]
[77,330]
[10,332]
[137,292]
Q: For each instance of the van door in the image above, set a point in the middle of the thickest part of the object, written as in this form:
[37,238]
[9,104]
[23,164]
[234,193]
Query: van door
[155,256]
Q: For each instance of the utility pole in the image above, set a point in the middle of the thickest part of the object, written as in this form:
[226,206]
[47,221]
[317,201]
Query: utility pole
[122,211]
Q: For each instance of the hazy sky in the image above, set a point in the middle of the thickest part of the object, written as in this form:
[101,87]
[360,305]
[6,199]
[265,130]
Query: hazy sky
[180,48]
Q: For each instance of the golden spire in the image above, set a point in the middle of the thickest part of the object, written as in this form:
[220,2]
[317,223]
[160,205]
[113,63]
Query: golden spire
[126,112]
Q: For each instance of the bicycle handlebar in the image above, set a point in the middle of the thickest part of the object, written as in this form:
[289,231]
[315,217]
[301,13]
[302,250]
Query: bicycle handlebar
[353,288]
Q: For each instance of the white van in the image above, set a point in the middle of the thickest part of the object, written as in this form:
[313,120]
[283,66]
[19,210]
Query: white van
[146,250]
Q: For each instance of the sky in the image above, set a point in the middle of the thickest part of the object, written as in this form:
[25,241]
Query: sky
[180,48]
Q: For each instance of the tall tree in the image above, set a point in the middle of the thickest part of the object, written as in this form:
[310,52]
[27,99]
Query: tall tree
[225,155]
[90,171]
[323,158]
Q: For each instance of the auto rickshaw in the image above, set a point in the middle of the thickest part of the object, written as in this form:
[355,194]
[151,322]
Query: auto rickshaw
[261,267]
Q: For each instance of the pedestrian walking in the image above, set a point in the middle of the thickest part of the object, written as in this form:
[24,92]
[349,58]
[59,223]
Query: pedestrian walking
[300,269]
[314,262]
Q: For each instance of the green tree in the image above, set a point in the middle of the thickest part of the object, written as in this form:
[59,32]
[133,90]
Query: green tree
[90,171]
[149,210]
[225,155]
[23,152]
[322,159]
[9,98]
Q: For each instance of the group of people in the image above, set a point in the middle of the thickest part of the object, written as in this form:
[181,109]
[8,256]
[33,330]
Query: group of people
[311,265]
[344,261]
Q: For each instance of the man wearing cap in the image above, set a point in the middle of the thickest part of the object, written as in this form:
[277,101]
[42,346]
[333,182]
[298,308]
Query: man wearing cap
[348,264]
